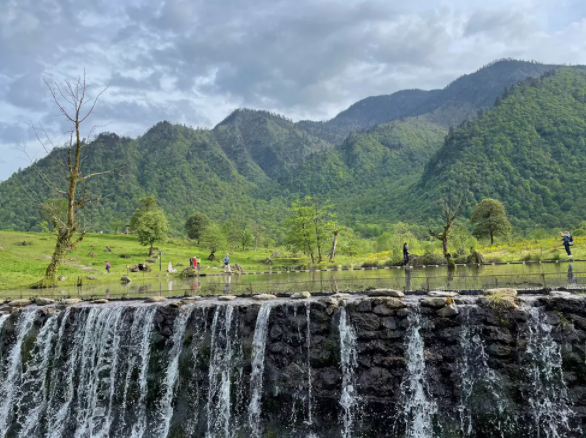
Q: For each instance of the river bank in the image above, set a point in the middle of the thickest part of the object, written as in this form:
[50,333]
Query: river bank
[24,256]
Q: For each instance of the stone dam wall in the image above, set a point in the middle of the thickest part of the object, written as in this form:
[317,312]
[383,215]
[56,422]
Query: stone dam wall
[349,366]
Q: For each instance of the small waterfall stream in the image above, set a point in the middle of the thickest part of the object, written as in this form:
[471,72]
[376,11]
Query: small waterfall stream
[418,409]
[258,365]
[349,362]
[548,397]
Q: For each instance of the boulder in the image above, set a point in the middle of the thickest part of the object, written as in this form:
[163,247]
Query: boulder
[175,304]
[125,279]
[20,303]
[448,311]
[498,302]
[155,299]
[227,298]
[263,297]
[100,301]
[179,264]
[276,254]
[125,256]
[42,301]
[151,260]
[386,293]
[91,254]
[193,298]
[442,293]
[70,301]
[501,291]
[341,295]
[300,295]
[62,278]
[433,302]
[390,302]
[91,277]
[329,301]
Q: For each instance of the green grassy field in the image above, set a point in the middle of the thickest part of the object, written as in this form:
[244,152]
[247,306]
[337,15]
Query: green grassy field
[21,266]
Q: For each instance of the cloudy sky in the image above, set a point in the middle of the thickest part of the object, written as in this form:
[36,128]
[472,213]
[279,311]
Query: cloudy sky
[193,61]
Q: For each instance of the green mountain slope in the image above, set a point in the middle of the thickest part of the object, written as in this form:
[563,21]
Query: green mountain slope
[264,145]
[185,169]
[457,102]
[529,152]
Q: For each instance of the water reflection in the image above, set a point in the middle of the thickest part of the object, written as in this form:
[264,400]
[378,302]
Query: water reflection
[521,276]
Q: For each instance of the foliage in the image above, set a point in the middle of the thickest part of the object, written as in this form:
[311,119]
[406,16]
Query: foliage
[309,227]
[196,225]
[490,219]
[54,211]
[149,223]
[213,238]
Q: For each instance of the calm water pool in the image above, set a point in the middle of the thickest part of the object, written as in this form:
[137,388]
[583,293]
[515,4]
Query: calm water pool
[520,276]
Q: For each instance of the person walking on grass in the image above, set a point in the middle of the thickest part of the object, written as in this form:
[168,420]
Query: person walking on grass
[568,241]
[227,267]
[405,254]
[108,267]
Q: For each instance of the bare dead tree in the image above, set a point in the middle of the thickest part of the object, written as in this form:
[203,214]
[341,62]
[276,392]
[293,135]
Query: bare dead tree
[73,104]
[452,209]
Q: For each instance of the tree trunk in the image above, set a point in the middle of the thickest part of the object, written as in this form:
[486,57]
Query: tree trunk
[491,238]
[334,244]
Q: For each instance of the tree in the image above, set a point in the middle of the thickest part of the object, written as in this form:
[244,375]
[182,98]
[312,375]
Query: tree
[451,211]
[117,224]
[149,223]
[246,238]
[309,227]
[76,107]
[54,211]
[196,225]
[490,219]
[299,229]
[213,238]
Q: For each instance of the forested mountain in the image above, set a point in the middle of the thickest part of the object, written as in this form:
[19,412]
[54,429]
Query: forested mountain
[387,158]
[529,151]
[458,101]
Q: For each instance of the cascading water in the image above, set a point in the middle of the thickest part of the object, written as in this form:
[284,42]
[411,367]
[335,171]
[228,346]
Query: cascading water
[165,371]
[480,384]
[418,409]
[258,366]
[12,377]
[348,357]
[549,395]
[220,373]
[165,411]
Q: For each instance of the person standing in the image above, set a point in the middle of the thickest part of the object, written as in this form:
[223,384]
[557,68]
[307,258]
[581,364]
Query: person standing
[405,254]
[568,241]
[198,264]
[227,267]
[108,267]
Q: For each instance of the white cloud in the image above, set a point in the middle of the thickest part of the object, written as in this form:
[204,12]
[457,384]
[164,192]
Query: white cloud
[193,61]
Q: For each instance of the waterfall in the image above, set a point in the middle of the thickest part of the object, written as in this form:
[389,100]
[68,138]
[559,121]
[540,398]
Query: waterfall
[258,366]
[308,344]
[348,354]
[548,394]
[140,335]
[166,404]
[33,391]
[417,408]
[220,369]
[12,375]
[479,382]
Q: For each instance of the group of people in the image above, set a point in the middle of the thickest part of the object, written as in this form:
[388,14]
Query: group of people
[568,241]
[194,262]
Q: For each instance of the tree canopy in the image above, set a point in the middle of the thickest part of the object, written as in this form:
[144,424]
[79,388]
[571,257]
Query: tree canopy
[490,219]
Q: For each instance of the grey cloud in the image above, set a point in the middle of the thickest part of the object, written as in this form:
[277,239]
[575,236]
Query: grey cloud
[187,60]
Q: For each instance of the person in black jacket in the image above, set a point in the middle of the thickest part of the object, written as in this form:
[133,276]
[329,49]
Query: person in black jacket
[568,241]
[405,254]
